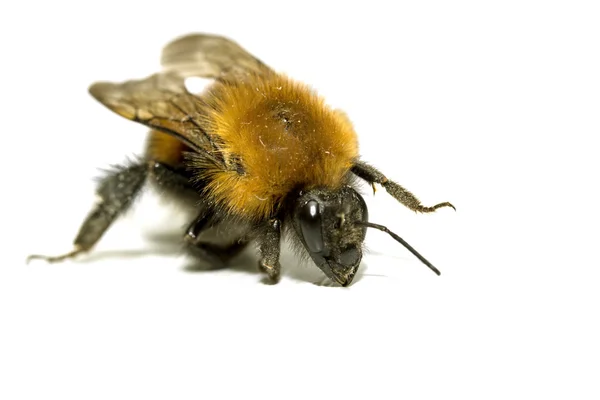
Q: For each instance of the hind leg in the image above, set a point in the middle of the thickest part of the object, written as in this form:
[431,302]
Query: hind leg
[116,192]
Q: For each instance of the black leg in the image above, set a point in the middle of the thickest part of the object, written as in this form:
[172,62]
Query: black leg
[116,192]
[269,243]
[217,255]
[405,197]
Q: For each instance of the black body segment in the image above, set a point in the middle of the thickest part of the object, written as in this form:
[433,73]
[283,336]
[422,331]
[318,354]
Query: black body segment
[172,178]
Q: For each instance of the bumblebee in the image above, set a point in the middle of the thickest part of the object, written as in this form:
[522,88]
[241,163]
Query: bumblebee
[257,155]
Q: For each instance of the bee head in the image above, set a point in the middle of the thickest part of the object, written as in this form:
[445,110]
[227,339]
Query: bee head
[329,225]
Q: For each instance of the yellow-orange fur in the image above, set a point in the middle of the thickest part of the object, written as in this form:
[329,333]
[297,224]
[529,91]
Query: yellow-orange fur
[165,148]
[282,134]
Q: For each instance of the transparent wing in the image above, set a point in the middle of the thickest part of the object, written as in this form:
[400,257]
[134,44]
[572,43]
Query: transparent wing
[160,102]
[209,56]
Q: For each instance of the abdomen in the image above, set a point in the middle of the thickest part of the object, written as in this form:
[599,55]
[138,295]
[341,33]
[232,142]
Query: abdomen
[165,149]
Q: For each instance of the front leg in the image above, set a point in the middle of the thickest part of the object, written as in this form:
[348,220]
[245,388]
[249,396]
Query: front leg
[269,243]
[405,197]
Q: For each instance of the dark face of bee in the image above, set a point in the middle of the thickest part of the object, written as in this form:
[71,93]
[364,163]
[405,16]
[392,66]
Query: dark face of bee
[326,224]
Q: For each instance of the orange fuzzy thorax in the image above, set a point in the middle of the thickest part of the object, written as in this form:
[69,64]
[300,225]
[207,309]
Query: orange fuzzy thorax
[282,135]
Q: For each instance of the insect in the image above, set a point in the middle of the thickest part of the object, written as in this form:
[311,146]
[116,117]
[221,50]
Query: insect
[257,155]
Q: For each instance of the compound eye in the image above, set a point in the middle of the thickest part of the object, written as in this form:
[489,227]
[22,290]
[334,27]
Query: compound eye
[311,224]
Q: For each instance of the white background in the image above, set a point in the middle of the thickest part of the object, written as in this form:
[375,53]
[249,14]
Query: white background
[494,107]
